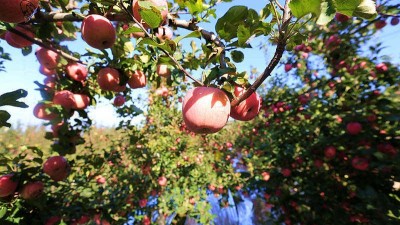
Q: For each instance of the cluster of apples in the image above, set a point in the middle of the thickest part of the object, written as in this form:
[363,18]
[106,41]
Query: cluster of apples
[56,167]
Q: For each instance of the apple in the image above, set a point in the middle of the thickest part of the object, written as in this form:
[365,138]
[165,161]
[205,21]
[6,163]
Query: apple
[84,219]
[247,109]
[162,91]
[81,101]
[57,168]
[160,4]
[7,185]
[360,163]
[387,148]
[163,70]
[333,41]
[299,48]
[164,33]
[137,79]
[100,179]
[17,11]
[50,84]
[18,41]
[98,32]
[119,100]
[47,72]
[205,109]
[108,80]
[330,152]
[394,21]
[56,127]
[341,17]
[99,221]
[47,58]
[53,220]
[32,190]
[142,203]
[288,67]
[265,176]
[380,24]
[138,34]
[64,98]
[381,68]
[318,163]
[162,181]
[76,71]
[354,128]
[286,172]
[304,98]
[41,111]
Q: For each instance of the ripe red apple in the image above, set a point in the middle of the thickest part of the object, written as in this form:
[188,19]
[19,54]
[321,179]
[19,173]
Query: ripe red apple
[53,220]
[381,68]
[205,109]
[163,4]
[16,40]
[164,33]
[162,181]
[64,98]
[247,109]
[55,128]
[330,152]
[76,71]
[333,41]
[265,176]
[360,163]
[380,24]
[341,17]
[98,32]
[41,112]
[57,168]
[108,80]
[32,190]
[137,79]
[163,70]
[394,21]
[81,101]
[304,98]
[50,84]
[387,148]
[288,67]
[286,172]
[354,128]
[100,221]
[47,72]
[119,100]
[17,11]
[142,203]
[100,179]
[47,58]
[7,185]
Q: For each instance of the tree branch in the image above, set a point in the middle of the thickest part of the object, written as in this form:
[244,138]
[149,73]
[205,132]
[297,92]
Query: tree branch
[280,48]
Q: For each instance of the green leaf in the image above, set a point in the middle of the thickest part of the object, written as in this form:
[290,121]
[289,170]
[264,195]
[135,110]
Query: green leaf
[151,42]
[4,116]
[194,34]
[366,10]
[226,26]
[150,14]
[3,211]
[327,14]
[237,56]
[243,34]
[301,8]
[347,7]
[131,30]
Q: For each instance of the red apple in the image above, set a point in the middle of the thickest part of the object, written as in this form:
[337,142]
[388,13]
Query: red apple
[41,111]
[205,109]
[164,33]
[354,128]
[99,221]
[56,127]
[83,220]
[47,58]
[330,152]
[119,100]
[163,4]
[64,98]
[50,84]
[76,71]
[265,176]
[288,67]
[304,98]
[387,148]
[380,24]
[138,34]
[100,179]
[163,70]
[286,172]
[81,101]
[142,203]
[7,185]
[53,220]
[333,41]
[32,190]
[247,109]
[98,32]
[47,72]
[137,79]
[57,168]
[108,80]
[17,11]
[360,163]
[341,17]
[18,41]
[394,21]
[162,181]
[381,68]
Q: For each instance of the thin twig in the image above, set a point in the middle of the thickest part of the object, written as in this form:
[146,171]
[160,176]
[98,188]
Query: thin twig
[279,5]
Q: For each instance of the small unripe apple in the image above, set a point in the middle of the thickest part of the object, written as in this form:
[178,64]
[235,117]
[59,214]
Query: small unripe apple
[330,152]
[76,71]
[341,17]
[162,181]
[163,70]
[47,58]
[7,185]
[17,11]
[57,168]
[18,41]
[98,32]
[108,80]
[394,21]
[354,128]
[380,24]
[247,109]
[119,100]
[164,33]
[32,190]
[47,72]
[163,4]
[41,112]
[205,109]
[137,79]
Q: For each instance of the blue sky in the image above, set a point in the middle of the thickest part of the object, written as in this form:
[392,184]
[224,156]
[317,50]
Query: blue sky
[22,71]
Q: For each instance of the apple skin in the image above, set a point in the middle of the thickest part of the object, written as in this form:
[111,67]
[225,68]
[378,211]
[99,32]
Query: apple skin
[47,58]
[354,128]
[81,101]
[47,72]
[17,11]
[341,18]
[164,33]
[64,98]
[137,79]
[157,3]
[76,71]
[32,190]
[108,80]
[163,70]
[57,168]
[162,181]
[98,32]
[17,41]
[360,163]
[119,100]
[205,110]
[380,24]
[40,112]
[330,152]
[247,109]
[288,67]
[7,185]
